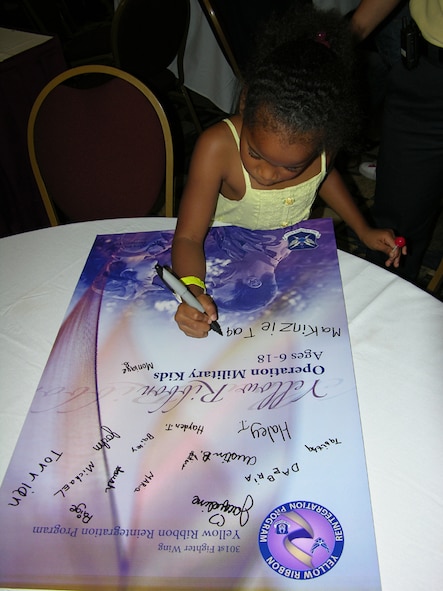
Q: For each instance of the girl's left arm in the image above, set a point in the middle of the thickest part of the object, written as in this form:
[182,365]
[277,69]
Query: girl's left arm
[336,194]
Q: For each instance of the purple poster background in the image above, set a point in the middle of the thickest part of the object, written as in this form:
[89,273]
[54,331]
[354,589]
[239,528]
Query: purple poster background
[150,460]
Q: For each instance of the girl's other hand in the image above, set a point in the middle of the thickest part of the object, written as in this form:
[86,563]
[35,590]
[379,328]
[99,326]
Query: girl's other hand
[384,241]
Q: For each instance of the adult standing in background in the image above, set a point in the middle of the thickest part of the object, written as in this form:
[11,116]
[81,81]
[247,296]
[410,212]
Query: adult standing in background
[409,185]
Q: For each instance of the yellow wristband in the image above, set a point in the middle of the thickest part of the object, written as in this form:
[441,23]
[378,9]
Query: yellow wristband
[191,280]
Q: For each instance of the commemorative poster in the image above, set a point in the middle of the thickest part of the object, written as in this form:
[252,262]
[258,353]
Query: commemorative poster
[151,460]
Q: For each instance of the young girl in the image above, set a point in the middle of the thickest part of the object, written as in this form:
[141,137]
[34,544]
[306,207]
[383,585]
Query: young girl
[262,168]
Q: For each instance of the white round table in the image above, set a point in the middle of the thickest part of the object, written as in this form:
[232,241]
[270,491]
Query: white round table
[396,336]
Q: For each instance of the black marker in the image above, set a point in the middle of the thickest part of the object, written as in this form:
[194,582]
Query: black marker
[180,289]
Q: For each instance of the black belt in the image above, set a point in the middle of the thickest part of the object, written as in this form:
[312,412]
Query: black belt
[432,53]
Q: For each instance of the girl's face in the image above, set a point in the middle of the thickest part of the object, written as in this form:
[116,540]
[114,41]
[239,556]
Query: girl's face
[270,159]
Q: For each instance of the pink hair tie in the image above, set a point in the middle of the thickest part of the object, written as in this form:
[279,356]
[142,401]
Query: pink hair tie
[320,37]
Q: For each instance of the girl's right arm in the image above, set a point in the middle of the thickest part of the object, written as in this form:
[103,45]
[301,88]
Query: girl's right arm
[206,173]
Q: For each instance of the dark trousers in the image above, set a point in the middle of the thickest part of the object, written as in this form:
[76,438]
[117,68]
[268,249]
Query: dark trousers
[409,184]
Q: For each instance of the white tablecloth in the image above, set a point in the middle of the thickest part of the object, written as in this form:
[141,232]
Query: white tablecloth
[396,335]
[13,42]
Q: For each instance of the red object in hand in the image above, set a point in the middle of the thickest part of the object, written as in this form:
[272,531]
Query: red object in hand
[400,241]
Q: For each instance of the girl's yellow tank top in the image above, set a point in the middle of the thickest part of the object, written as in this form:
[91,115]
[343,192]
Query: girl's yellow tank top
[268,209]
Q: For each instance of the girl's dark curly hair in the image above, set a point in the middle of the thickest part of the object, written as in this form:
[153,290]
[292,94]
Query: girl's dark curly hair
[302,81]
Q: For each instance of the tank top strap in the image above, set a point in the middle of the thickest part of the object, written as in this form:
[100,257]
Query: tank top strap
[323,162]
[237,141]
[233,131]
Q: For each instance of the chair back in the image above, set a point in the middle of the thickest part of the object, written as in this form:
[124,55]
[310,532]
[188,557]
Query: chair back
[148,35]
[84,33]
[100,147]
[49,17]
[211,11]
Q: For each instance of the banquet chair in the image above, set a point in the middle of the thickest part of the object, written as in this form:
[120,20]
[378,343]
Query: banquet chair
[84,40]
[437,279]
[100,147]
[215,22]
[146,37]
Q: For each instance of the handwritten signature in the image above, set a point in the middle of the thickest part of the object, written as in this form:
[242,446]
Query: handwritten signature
[225,507]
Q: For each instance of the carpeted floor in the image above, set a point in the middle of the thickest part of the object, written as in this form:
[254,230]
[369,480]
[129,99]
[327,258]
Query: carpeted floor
[361,188]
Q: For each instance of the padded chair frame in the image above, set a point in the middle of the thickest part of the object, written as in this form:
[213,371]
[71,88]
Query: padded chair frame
[114,72]
[435,282]
[119,16]
[217,29]
[82,44]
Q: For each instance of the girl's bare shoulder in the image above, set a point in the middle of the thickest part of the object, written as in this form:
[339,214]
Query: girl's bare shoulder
[219,135]
[216,145]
